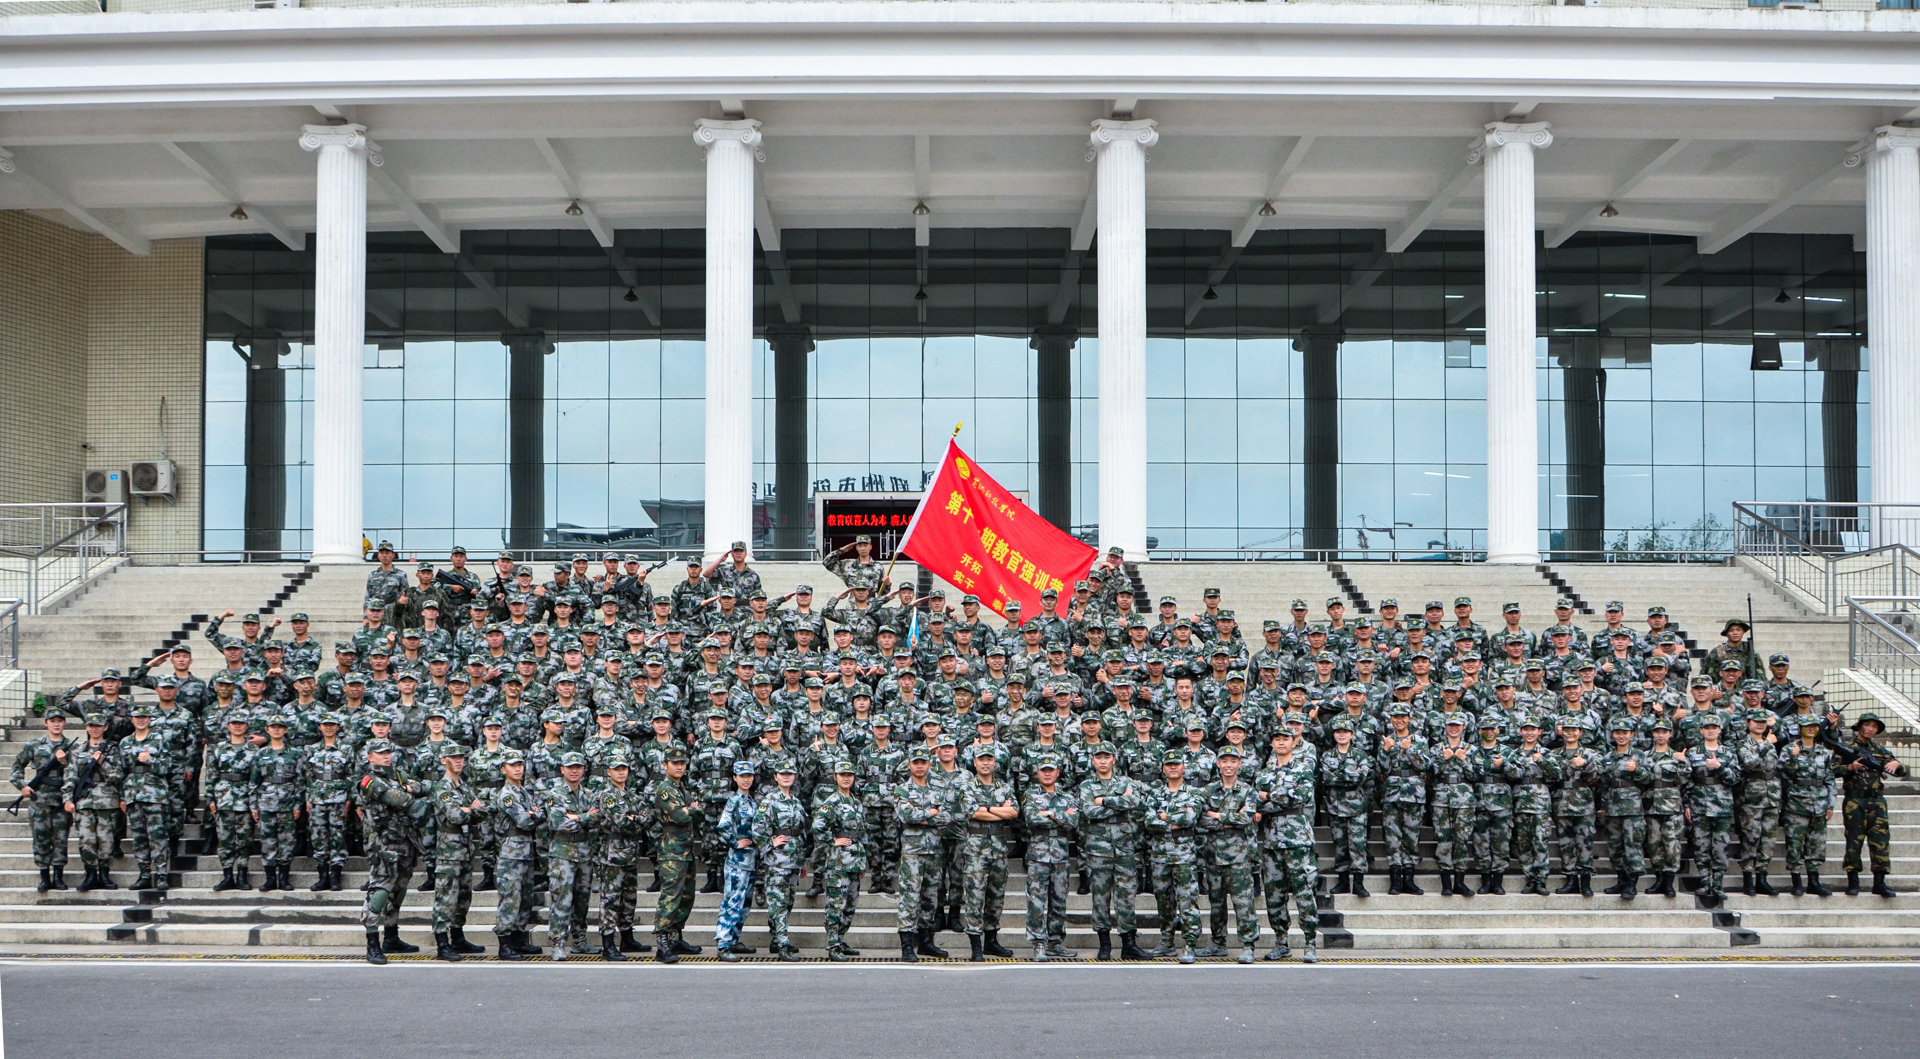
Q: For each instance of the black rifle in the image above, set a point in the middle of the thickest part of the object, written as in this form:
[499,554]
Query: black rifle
[83,780]
[51,773]
[452,580]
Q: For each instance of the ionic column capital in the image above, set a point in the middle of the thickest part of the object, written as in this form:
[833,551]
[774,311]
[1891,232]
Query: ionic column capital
[1535,134]
[1108,131]
[709,131]
[1884,138]
[352,137]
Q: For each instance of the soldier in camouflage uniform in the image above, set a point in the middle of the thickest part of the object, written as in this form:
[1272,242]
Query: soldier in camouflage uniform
[1492,809]
[1346,778]
[461,807]
[780,832]
[90,791]
[839,827]
[1230,812]
[516,815]
[1109,832]
[625,814]
[987,802]
[1172,814]
[570,819]
[922,809]
[680,816]
[1051,815]
[146,764]
[1863,779]
[1403,761]
[1666,785]
[1807,771]
[1574,770]
[274,796]
[229,795]
[326,771]
[1527,772]
[735,828]
[1452,772]
[1621,778]
[1757,814]
[1710,795]
[389,805]
[50,756]
[1287,847]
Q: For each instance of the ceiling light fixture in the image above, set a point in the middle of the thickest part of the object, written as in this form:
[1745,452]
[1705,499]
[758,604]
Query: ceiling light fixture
[573,208]
[1267,210]
[1781,298]
[1211,295]
[921,294]
[1609,211]
[920,209]
[239,213]
[630,296]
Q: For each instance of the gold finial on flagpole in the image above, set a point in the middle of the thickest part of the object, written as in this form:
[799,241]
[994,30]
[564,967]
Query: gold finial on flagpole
[956,428]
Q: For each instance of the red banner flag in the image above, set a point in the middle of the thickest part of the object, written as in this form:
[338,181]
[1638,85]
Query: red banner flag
[979,538]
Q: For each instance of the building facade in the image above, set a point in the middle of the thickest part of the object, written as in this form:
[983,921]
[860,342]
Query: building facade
[1299,279]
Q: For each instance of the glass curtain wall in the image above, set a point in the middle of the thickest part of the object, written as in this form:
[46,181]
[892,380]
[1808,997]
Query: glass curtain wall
[1307,394]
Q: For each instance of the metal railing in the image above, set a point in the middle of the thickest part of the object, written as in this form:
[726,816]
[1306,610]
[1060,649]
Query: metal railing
[47,550]
[1828,552]
[10,630]
[1881,639]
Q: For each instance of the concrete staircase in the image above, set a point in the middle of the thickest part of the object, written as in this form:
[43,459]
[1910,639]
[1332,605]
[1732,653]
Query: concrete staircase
[1253,591]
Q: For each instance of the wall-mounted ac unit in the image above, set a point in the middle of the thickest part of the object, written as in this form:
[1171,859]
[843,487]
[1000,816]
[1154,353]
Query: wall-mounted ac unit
[103,487]
[152,478]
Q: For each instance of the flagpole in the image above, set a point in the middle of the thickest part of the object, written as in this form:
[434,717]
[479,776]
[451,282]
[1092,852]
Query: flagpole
[887,578]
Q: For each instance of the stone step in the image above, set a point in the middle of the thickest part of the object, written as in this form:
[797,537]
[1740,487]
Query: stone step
[1545,937]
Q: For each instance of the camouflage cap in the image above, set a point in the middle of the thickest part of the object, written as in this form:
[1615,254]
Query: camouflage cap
[1621,724]
[1660,723]
[554,715]
[1294,717]
[1174,757]
[167,681]
[1759,713]
[675,753]
[452,749]
[1779,658]
[844,767]
[494,720]
[743,768]
[573,758]
[379,746]
[101,719]
[1342,723]
[919,753]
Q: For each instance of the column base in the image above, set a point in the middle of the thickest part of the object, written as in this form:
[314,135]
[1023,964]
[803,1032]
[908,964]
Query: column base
[1513,559]
[337,558]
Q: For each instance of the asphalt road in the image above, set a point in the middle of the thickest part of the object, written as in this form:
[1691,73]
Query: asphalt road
[157,1010]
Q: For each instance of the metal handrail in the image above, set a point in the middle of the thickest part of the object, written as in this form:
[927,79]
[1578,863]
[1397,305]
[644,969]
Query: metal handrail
[10,622]
[1826,552]
[1880,646]
[35,535]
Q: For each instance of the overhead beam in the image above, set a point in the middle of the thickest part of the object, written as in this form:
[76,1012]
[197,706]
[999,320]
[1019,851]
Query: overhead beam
[194,158]
[922,187]
[1402,235]
[571,188]
[1077,245]
[444,236]
[1244,234]
[1648,164]
[1721,238]
[128,239]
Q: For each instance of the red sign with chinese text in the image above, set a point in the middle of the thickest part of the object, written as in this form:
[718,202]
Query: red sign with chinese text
[980,538]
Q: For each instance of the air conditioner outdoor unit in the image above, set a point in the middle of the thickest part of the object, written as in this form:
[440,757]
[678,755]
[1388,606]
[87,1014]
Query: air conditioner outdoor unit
[103,487]
[152,478]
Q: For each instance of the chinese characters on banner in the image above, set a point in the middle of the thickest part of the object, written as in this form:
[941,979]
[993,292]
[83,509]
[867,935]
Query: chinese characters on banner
[979,538]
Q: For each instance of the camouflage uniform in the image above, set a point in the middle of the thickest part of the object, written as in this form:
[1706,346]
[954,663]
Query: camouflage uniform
[1403,801]
[1527,771]
[1291,865]
[1626,810]
[454,847]
[97,809]
[145,792]
[625,814]
[1051,818]
[327,773]
[839,816]
[1346,782]
[1806,799]
[274,793]
[516,813]
[781,815]
[1171,818]
[48,805]
[1865,808]
[1574,806]
[1757,814]
[1492,815]
[1110,834]
[230,768]
[387,810]
[1710,797]
[679,815]
[1233,850]
[922,809]
[570,818]
[1666,784]
[1452,798]
[734,823]
[984,854]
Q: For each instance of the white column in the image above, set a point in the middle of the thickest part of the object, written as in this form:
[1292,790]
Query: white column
[1120,147]
[1513,446]
[732,147]
[339,336]
[1893,320]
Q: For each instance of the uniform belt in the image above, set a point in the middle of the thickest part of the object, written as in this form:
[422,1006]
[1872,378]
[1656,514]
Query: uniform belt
[232,777]
[676,829]
[986,829]
[786,834]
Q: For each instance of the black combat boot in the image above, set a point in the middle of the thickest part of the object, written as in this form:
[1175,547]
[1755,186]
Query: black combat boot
[1486,883]
[610,948]
[392,942]
[375,955]
[1620,883]
[993,947]
[1799,889]
[145,881]
[333,876]
[105,881]
[1880,887]
[1360,885]
[507,950]
[818,888]
[927,947]
[1570,887]
[629,943]
[87,880]
[523,943]
[1746,883]
[1394,889]
[1761,886]
[426,885]
[1814,886]
[1586,884]
[319,878]
[683,948]
[60,877]
[1341,885]
[1460,884]
[654,886]
[1630,891]
[486,878]
[908,941]
[1534,887]
[1853,884]
[663,953]
[271,882]
[46,880]
[712,885]
[1446,883]
[458,935]
[976,955]
[1665,885]
[1500,884]
[1407,885]
[1130,945]
[226,882]
[1086,884]
[1106,946]
[443,949]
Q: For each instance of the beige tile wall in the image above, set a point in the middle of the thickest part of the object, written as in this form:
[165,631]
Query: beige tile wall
[91,339]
